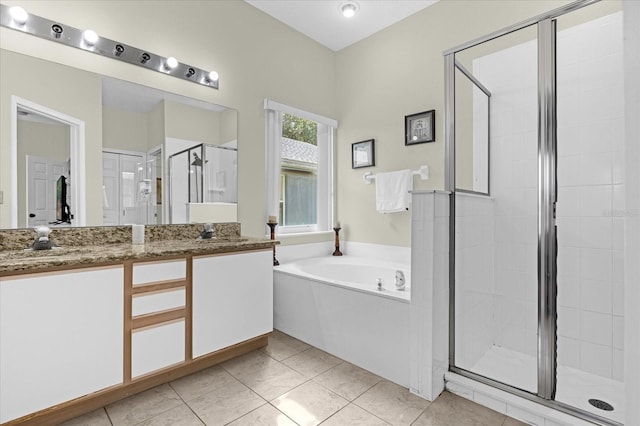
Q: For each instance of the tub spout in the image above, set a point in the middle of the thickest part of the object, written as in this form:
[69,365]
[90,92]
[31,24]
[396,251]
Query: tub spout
[400,281]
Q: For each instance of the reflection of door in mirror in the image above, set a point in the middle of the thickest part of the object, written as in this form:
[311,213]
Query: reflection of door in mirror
[42,176]
[39,166]
[126,193]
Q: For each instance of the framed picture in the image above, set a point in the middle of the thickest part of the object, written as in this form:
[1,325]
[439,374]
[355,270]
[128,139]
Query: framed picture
[363,154]
[420,127]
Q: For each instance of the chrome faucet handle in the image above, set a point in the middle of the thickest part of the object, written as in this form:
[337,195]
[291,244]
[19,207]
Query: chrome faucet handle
[400,280]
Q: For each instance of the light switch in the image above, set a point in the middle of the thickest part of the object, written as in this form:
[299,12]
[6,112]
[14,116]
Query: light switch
[1,197]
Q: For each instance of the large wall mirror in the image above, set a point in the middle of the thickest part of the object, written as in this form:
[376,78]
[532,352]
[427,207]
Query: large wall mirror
[91,150]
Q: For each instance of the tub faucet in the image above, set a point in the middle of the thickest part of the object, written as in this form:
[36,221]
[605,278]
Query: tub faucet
[400,281]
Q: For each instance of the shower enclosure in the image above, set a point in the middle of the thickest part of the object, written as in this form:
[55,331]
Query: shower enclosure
[202,174]
[535,149]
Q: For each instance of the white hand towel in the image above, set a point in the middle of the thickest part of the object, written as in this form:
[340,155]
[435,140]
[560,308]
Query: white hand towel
[392,191]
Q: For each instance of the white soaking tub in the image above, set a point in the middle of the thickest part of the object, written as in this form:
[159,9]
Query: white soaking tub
[334,304]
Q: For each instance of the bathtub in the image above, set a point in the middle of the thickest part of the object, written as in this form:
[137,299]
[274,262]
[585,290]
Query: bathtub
[334,304]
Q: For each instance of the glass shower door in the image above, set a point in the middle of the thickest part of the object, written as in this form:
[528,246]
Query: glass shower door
[496,238]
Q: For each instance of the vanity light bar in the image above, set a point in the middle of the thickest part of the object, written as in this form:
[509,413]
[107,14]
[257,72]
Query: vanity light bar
[91,42]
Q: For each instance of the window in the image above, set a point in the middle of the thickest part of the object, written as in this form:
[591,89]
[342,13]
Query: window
[299,168]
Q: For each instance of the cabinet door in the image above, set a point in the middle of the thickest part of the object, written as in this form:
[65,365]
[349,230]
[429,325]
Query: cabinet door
[232,299]
[60,337]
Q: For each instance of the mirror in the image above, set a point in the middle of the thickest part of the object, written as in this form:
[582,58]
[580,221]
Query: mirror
[131,131]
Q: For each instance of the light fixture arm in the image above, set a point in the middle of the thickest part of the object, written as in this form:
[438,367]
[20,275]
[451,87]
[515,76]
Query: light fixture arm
[65,34]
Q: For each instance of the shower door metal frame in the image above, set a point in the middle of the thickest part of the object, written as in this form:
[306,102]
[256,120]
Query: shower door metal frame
[547,197]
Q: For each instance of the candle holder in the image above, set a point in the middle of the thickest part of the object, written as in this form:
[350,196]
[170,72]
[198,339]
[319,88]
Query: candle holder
[272,226]
[337,251]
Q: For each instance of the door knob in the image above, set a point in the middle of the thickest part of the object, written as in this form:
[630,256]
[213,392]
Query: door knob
[32,215]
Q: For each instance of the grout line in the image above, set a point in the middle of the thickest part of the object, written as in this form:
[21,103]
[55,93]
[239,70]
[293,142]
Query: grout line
[108,416]
[185,403]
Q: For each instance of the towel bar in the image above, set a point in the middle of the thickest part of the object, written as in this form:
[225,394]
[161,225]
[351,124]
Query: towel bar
[423,172]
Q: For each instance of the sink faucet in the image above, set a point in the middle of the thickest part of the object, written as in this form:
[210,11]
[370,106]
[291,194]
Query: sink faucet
[42,241]
[208,232]
[400,281]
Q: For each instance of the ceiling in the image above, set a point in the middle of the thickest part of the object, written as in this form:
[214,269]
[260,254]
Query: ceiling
[322,20]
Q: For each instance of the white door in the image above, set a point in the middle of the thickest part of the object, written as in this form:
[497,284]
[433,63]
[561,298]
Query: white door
[121,176]
[42,174]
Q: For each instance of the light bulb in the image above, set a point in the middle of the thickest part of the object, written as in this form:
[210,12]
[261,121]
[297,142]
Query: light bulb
[90,37]
[213,76]
[349,10]
[18,14]
[171,63]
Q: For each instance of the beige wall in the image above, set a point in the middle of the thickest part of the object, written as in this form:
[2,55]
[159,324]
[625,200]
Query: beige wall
[189,123]
[61,88]
[155,127]
[228,126]
[396,72]
[127,130]
[251,51]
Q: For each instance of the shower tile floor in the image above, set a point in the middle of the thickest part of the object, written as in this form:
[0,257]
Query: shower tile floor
[288,383]
[575,387]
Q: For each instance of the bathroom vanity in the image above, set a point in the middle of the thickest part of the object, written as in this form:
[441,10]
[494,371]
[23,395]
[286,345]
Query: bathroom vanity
[88,324]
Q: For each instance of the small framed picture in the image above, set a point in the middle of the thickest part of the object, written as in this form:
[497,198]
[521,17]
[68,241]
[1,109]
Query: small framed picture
[420,127]
[363,154]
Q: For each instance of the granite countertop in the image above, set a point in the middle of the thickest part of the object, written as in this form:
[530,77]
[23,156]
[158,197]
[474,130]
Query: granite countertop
[19,261]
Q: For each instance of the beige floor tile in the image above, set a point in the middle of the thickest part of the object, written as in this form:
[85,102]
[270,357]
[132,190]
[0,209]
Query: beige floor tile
[353,415]
[267,415]
[450,409]
[264,375]
[224,405]
[179,416]
[312,362]
[197,384]
[509,421]
[347,380]
[94,418]
[309,404]
[143,406]
[283,346]
[392,403]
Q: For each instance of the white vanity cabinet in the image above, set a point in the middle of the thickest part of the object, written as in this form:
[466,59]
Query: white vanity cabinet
[232,299]
[60,337]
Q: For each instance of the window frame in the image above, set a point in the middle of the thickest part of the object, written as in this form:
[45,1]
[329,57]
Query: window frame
[325,190]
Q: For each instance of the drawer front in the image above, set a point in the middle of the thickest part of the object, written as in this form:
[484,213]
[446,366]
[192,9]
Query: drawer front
[157,347]
[148,272]
[147,303]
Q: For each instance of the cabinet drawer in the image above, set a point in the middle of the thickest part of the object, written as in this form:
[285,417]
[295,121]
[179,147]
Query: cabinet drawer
[146,303]
[148,272]
[156,347]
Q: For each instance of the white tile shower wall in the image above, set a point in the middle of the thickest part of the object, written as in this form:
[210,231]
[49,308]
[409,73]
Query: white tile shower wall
[591,197]
[474,247]
[429,311]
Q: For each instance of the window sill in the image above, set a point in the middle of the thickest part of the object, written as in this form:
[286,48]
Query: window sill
[292,235]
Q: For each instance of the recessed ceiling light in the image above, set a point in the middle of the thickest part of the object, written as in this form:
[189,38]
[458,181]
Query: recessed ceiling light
[349,9]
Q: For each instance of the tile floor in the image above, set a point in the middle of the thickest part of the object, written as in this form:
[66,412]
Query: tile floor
[288,383]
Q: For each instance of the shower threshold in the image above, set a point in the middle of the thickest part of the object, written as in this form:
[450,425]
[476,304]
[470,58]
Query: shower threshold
[575,387]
